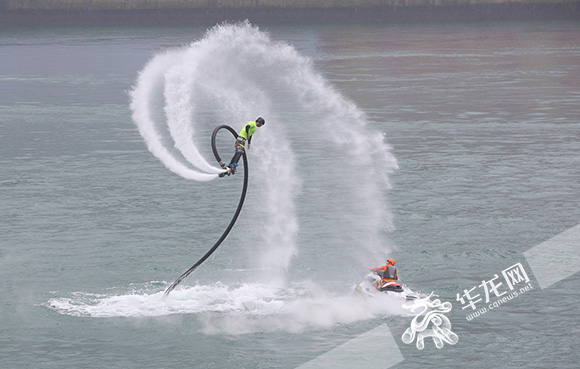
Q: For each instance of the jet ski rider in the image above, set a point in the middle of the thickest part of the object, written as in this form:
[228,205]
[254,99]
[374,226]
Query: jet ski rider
[388,273]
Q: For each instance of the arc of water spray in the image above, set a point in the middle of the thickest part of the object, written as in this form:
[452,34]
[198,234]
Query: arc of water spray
[234,219]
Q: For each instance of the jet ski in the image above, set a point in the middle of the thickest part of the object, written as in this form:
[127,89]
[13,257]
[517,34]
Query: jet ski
[371,286]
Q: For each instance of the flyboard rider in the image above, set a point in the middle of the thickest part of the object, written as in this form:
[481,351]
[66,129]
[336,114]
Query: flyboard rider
[245,134]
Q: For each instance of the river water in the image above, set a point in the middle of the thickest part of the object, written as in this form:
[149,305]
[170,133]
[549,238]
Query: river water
[453,148]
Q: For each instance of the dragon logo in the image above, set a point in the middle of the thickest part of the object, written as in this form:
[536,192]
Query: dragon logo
[433,312]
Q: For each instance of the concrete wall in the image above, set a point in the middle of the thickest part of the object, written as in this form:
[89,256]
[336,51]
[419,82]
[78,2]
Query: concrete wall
[99,5]
[208,12]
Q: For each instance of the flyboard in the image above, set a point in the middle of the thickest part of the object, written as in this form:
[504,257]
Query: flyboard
[236,214]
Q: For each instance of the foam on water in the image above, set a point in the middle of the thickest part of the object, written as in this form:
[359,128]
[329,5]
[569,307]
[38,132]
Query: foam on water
[246,308]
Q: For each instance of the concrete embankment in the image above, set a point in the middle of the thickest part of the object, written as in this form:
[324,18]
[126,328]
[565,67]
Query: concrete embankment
[109,12]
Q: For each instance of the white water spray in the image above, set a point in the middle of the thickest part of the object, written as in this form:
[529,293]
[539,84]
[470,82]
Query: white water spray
[316,144]
[224,78]
[236,73]
[241,309]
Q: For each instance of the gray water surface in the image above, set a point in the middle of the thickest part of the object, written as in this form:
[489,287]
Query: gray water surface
[483,121]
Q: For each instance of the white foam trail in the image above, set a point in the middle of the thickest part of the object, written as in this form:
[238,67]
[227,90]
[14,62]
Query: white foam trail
[246,308]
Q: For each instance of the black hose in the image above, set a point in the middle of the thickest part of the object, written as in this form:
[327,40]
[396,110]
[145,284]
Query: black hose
[232,222]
